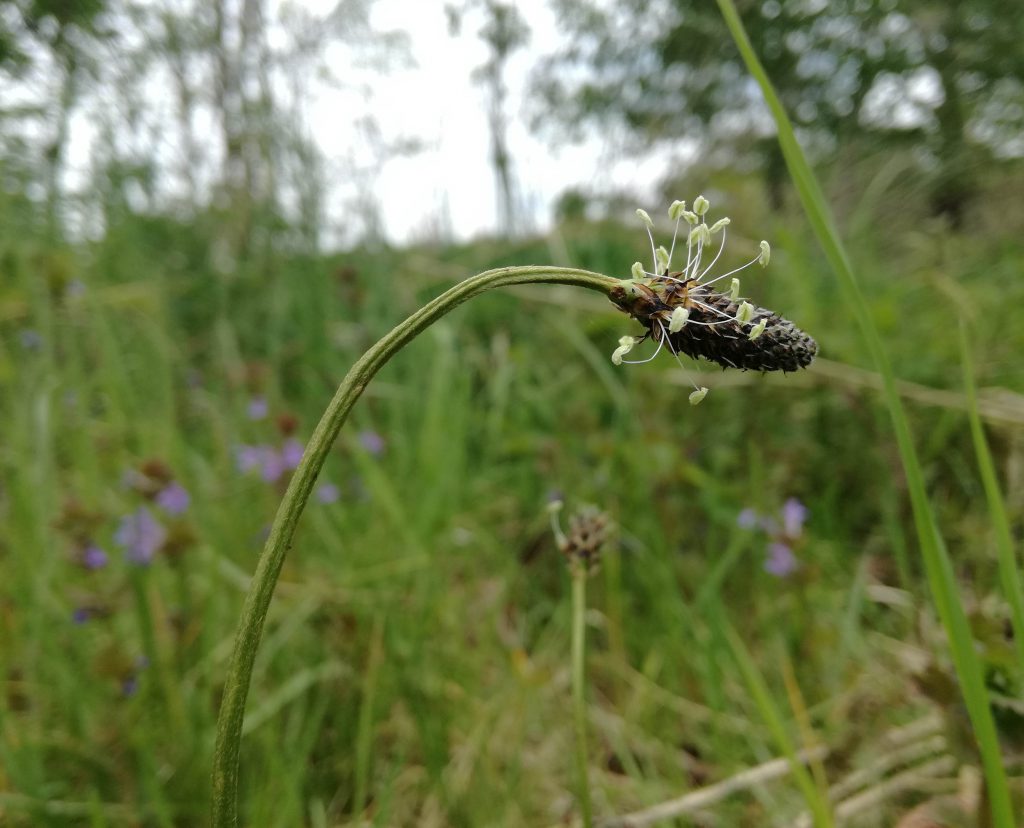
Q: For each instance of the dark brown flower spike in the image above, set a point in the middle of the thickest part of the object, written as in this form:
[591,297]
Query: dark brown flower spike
[684,311]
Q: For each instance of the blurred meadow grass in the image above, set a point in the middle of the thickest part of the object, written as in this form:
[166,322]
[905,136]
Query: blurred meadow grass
[415,666]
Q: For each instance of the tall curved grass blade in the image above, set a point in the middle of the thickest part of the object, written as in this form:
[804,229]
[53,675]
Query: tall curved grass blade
[939,569]
[1009,567]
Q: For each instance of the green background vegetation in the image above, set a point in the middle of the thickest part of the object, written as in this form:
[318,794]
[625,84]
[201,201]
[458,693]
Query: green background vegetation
[415,666]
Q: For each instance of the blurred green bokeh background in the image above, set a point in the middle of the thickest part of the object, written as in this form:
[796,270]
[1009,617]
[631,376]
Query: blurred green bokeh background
[175,314]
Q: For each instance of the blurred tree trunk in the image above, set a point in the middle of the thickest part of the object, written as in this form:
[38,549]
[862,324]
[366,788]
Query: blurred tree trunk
[952,188]
[228,101]
[504,30]
[245,107]
[56,151]
[501,160]
[178,50]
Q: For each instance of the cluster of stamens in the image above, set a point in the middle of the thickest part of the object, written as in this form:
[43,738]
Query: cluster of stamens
[685,312]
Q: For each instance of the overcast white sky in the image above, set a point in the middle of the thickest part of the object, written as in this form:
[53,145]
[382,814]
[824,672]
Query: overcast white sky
[448,186]
[437,102]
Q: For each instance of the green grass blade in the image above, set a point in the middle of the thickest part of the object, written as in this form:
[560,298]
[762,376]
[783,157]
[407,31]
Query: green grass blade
[816,801]
[364,731]
[941,578]
[1008,564]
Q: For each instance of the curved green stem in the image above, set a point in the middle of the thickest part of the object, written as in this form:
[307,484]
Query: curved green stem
[257,601]
[579,701]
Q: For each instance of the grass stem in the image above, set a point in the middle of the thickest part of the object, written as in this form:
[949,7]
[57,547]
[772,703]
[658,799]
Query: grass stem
[579,700]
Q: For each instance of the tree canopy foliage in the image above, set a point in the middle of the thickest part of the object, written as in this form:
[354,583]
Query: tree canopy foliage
[946,75]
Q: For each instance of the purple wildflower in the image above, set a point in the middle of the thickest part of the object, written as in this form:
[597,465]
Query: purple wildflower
[780,561]
[81,615]
[272,466]
[130,683]
[291,453]
[140,535]
[248,458]
[258,408]
[372,442]
[748,519]
[328,493]
[270,462]
[93,557]
[173,499]
[794,513]
[31,340]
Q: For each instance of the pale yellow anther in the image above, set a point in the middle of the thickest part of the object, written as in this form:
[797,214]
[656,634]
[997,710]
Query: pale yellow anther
[626,344]
[662,255]
[678,319]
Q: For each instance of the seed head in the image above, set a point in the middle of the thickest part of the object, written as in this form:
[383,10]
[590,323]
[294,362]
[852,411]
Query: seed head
[686,312]
[588,531]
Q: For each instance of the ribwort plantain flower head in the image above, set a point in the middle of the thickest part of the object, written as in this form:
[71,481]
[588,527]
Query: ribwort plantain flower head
[688,312]
[587,534]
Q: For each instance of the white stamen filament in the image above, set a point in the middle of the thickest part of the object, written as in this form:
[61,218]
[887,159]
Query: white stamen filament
[715,260]
[731,272]
[652,356]
[654,252]
[713,309]
[696,258]
[710,324]
[675,233]
[686,373]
